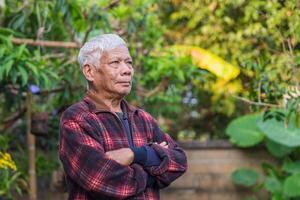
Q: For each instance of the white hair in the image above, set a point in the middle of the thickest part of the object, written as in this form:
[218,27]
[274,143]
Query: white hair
[91,51]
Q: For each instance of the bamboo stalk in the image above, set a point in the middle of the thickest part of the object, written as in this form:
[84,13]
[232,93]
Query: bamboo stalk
[31,150]
[45,43]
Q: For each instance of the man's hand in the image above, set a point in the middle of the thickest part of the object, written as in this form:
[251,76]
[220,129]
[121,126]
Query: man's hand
[163,144]
[123,156]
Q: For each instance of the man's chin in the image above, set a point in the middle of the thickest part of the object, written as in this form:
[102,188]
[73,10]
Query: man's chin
[124,93]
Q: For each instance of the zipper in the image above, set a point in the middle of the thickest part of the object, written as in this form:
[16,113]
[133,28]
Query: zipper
[120,124]
[130,119]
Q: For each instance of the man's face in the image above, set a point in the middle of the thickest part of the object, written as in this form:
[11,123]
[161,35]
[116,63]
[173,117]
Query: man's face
[115,72]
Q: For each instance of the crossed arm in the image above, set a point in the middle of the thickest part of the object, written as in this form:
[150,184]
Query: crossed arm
[125,156]
[86,163]
[114,173]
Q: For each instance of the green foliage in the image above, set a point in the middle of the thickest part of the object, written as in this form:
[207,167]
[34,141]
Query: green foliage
[4,142]
[176,73]
[273,185]
[142,25]
[245,177]
[276,131]
[291,186]
[11,179]
[292,167]
[262,37]
[276,149]
[282,142]
[257,35]
[46,163]
[227,29]
[9,182]
[243,131]
[19,68]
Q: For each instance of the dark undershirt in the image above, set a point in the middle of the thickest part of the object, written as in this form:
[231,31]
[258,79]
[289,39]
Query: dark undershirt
[144,155]
[125,123]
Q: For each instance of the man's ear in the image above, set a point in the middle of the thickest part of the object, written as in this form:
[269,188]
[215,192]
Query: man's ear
[88,72]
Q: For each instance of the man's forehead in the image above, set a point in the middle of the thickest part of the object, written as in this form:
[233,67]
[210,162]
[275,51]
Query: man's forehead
[121,51]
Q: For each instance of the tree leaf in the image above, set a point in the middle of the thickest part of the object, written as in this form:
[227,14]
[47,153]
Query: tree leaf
[7,67]
[245,177]
[273,185]
[53,75]
[243,131]
[291,186]
[24,75]
[280,133]
[45,80]
[20,51]
[277,150]
[292,167]
[33,68]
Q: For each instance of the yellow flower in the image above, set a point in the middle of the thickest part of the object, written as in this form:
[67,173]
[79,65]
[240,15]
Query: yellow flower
[6,161]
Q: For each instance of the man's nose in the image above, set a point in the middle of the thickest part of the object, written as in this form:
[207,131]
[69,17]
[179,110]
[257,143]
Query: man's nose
[126,69]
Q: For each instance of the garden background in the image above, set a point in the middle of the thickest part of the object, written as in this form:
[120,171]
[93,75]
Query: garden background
[207,70]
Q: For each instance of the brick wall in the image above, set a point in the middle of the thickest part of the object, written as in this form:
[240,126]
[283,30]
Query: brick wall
[209,168]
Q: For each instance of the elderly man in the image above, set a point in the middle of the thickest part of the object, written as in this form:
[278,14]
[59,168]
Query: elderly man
[110,149]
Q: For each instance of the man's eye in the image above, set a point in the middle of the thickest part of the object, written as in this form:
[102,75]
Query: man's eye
[129,62]
[114,62]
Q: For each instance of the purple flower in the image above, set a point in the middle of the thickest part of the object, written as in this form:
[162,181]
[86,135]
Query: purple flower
[34,89]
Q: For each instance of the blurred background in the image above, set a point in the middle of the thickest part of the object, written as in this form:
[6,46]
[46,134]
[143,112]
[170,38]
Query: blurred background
[211,72]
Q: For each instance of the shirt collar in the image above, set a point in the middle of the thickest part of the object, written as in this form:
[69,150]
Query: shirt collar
[96,104]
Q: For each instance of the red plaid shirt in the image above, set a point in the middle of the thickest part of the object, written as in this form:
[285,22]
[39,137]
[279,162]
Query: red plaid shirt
[86,133]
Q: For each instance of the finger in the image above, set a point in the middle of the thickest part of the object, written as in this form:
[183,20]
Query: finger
[109,155]
[163,143]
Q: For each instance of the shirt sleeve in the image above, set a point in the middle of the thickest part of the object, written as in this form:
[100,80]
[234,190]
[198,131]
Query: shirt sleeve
[173,159]
[86,163]
[146,156]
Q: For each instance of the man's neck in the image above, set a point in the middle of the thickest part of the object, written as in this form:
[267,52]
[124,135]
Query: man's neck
[101,101]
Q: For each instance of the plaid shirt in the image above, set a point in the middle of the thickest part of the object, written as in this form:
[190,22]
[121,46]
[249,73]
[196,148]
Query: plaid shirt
[86,133]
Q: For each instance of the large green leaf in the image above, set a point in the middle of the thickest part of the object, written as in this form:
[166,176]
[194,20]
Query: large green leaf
[292,167]
[32,67]
[291,186]
[270,169]
[276,149]
[277,131]
[45,80]
[20,50]
[278,196]
[7,66]
[24,75]
[272,184]
[245,177]
[243,131]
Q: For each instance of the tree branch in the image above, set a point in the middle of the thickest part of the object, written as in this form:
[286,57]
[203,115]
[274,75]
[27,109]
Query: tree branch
[46,92]
[87,34]
[45,43]
[161,86]
[257,103]
[8,122]
[15,89]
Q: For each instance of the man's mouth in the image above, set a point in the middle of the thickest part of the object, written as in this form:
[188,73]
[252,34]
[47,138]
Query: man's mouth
[125,83]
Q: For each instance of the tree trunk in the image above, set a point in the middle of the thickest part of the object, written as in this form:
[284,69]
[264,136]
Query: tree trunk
[31,150]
